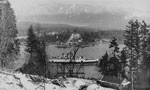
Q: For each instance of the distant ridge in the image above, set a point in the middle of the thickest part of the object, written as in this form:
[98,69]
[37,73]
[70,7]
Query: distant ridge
[23,27]
[50,27]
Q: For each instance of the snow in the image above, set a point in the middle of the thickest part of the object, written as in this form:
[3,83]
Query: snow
[96,87]
[19,81]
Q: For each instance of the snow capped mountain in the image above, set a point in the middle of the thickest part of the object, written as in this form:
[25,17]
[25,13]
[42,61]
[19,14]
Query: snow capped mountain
[75,9]
[103,20]
[79,14]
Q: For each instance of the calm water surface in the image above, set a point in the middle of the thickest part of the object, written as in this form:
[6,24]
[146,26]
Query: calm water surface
[92,52]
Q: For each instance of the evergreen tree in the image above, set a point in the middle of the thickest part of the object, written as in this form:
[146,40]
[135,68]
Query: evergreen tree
[115,60]
[145,45]
[37,62]
[114,66]
[111,66]
[9,45]
[114,45]
[136,40]
[132,41]
[103,64]
[123,58]
[32,42]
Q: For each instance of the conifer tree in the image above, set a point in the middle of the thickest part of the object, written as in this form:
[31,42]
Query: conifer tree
[123,57]
[103,64]
[9,45]
[145,47]
[36,47]
[145,53]
[31,41]
[115,60]
[132,41]
[114,45]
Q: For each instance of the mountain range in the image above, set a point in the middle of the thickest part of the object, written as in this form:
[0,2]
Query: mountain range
[74,15]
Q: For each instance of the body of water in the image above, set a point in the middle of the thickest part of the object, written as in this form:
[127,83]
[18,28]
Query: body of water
[92,52]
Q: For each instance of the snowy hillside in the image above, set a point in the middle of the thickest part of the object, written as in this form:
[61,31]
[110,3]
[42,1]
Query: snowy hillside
[18,81]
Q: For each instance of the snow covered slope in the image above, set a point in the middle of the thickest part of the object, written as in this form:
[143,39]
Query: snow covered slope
[19,81]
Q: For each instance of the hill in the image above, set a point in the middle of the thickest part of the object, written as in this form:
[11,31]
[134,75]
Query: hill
[45,27]
[23,27]
[19,81]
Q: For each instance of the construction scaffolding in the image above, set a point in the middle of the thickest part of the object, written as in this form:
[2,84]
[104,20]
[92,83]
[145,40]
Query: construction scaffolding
[69,65]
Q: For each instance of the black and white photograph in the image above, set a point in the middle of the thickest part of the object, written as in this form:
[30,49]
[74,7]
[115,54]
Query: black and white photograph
[74,44]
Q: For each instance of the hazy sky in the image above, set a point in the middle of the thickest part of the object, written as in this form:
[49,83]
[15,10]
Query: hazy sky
[133,7]
[127,8]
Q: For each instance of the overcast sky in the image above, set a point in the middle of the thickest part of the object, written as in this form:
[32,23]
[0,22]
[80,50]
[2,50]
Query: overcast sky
[129,8]
[133,7]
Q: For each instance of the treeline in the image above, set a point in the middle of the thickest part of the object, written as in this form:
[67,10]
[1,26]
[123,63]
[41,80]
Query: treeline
[47,28]
[134,59]
[86,35]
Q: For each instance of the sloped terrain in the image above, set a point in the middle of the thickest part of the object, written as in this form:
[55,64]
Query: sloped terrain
[18,81]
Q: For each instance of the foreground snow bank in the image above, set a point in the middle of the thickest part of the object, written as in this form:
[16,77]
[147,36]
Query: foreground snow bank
[19,81]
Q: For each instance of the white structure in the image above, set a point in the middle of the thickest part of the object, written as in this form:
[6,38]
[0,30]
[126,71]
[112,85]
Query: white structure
[74,38]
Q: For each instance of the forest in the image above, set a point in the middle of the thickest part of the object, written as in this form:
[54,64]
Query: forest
[134,59]
[86,35]
[131,63]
